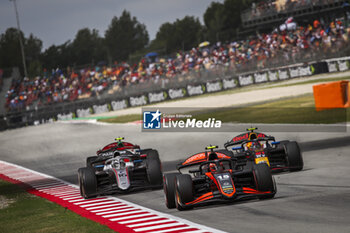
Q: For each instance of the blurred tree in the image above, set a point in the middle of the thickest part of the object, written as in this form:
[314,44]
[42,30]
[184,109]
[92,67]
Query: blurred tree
[183,34]
[124,36]
[10,53]
[33,47]
[223,20]
[88,47]
[60,56]
[214,19]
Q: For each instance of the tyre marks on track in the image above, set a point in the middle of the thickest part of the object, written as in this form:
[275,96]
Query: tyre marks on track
[117,214]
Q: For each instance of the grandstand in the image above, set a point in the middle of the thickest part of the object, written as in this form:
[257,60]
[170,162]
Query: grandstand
[269,50]
[67,90]
[267,15]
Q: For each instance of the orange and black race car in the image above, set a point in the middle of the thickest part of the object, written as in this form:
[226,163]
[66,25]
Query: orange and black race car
[261,148]
[215,176]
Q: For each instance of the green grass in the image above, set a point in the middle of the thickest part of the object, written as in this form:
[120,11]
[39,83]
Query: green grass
[122,119]
[299,110]
[313,81]
[29,213]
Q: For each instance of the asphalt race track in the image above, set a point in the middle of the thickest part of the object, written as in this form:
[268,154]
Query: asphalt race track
[316,199]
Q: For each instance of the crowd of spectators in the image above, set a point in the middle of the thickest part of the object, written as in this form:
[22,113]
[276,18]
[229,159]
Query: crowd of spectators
[273,7]
[257,52]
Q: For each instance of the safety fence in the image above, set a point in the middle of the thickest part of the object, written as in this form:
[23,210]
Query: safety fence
[185,87]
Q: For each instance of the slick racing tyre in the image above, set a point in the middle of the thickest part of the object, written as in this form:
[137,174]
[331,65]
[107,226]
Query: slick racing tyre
[293,155]
[153,168]
[87,182]
[169,189]
[282,143]
[264,181]
[280,146]
[183,191]
[89,160]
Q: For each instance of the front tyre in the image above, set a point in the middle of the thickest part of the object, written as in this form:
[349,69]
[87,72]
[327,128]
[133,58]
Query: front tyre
[169,189]
[183,191]
[87,182]
[153,168]
[264,181]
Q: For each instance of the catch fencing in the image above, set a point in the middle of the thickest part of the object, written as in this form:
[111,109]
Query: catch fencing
[194,83]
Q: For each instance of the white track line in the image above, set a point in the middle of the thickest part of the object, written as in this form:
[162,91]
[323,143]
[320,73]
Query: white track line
[177,229]
[90,201]
[98,207]
[116,210]
[159,227]
[149,223]
[140,220]
[134,216]
[117,206]
[95,204]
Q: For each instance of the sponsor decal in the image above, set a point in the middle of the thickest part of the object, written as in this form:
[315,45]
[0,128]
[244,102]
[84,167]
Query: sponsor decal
[245,80]
[83,112]
[229,83]
[343,65]
[240,137]
[117,105]
[62,117]
[246,136]
[283,74]
[273,75]
[100,108]
[138,101]
[260,77]
[304,71]
[176,93]
[110,153]
[294,72]
[332,66]
[156,97]
[225,182]
[222,155]
[193,158]
[195,90]
[300,71]
[151,120]
[214,86]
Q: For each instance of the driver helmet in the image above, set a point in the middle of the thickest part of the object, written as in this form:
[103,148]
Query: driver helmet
[253,145]
[212,167]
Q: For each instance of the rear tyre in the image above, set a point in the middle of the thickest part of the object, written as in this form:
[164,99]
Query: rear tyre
[264,181]
[169,189]
[89,160]
[183,191]
[294,157]
[154,168]
[87,182]
[282,143]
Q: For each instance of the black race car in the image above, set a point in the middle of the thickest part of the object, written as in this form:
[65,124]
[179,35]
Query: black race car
[261,148]
[216,176]
[118,168]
